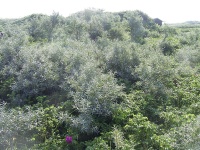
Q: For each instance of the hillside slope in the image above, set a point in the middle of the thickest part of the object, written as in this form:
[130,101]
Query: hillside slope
[104,80]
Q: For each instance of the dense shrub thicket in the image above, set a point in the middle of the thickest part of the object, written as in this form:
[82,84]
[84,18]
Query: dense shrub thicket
[108,80]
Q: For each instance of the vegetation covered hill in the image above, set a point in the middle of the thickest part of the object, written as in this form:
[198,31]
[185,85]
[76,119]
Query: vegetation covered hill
[108,80]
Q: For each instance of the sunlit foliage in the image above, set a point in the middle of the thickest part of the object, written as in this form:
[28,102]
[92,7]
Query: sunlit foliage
[106,80]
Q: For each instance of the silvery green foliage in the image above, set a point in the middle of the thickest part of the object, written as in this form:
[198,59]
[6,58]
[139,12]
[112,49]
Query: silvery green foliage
[95,28]
[76,28]
[108,20]
[16,127]
[137,29]
[84,123]
[41,27]
[187,136]
[94,93]
[88,13]
[15,38]
[38,27]
[13,42]
[41,70]
[76,55]
[52,24]
[156,72]
[188,59]
[123,59]
[45,68]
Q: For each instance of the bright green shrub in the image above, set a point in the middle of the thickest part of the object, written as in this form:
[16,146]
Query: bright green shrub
[39,128]
[118,138]
[185,136]
[169,45]
[174,118]
[186,92]
[141,130]
[97,144]
[162,142]
[5,89]
[52,128]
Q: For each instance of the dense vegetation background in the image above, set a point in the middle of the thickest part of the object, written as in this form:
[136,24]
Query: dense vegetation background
[108,80]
